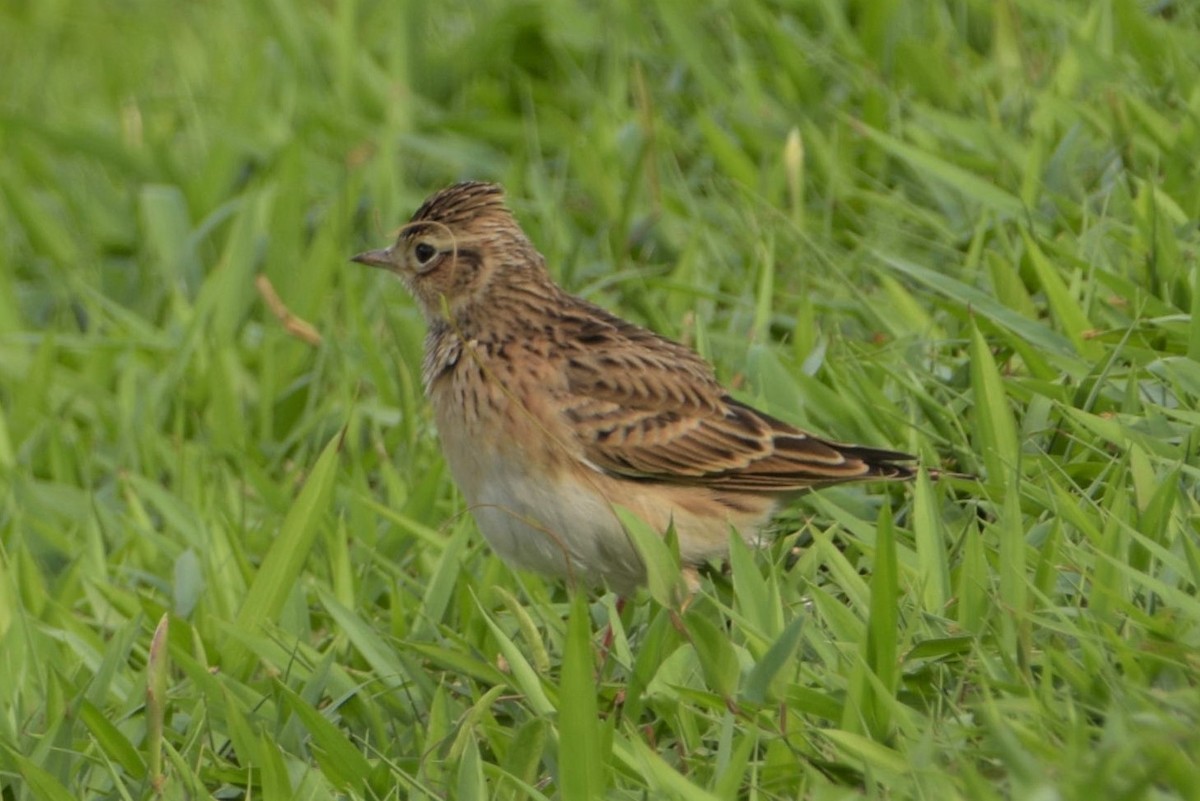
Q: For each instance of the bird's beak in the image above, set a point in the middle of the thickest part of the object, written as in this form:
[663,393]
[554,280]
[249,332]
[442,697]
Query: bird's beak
[375,258]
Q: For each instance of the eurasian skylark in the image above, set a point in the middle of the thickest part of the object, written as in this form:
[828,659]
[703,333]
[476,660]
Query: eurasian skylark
[551,410]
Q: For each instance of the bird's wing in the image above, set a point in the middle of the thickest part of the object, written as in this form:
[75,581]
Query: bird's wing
[647,408]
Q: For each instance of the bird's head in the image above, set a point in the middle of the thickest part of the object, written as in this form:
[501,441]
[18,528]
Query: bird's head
[458,243]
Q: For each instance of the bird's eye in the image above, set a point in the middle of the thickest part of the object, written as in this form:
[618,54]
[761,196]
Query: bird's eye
[424,252]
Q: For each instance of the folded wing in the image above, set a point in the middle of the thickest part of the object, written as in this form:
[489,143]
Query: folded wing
[645,407]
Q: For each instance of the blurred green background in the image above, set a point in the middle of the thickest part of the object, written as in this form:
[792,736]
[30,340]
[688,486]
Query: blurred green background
[962,228]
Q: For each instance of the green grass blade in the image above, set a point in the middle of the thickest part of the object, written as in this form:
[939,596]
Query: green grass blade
[581,769]
[972,300]
[663,576]
[881,649]
[281,567]
[931,545]
[929,165]
[1070,315]
[995,430]
[41,783]
[341,762]
[765,679]
[524,677]
[664,780]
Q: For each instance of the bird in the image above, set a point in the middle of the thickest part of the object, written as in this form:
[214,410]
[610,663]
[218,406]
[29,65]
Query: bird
[553,412]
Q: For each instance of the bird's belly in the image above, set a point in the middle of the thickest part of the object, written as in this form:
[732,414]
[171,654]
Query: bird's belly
[561,528]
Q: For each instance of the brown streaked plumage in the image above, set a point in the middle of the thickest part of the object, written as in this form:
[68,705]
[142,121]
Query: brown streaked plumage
[551,409]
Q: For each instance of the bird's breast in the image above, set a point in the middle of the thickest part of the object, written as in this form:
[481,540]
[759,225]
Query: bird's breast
[493,404]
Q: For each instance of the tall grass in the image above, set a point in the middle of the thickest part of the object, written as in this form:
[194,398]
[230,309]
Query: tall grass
[962,228]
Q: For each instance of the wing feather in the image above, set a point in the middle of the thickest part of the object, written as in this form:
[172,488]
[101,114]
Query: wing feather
[645,407]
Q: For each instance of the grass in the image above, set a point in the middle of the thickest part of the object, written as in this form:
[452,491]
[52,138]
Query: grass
[233,564]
